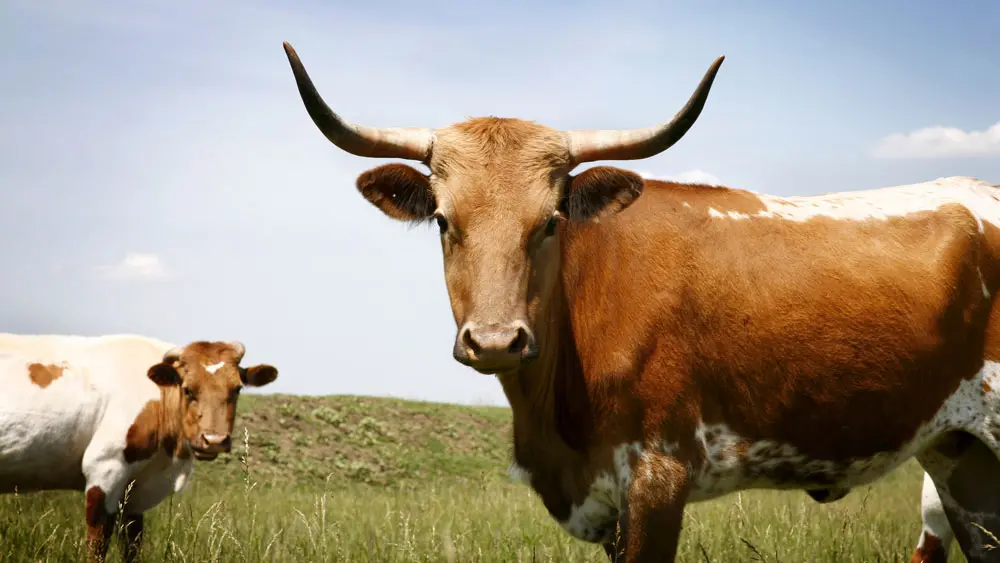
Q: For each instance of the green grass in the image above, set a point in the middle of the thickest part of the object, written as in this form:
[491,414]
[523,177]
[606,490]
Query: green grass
[367,479]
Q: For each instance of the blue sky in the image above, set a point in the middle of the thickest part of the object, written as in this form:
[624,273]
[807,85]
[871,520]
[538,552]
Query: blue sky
[160,176]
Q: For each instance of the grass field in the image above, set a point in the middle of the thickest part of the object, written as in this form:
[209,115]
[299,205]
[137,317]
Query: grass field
[366,479]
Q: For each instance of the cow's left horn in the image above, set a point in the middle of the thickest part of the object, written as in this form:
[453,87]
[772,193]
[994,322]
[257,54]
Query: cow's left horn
[411,143]
[171,355]
[632,144]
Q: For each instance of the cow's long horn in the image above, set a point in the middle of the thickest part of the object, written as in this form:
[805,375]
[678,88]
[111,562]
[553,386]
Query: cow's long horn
[412,143]
[588,145]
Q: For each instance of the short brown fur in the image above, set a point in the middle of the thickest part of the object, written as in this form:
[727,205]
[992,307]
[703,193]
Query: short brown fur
[43,375]
[156,428]
[193,402]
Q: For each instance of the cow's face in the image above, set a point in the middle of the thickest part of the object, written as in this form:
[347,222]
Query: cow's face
[500,191]
[209,379]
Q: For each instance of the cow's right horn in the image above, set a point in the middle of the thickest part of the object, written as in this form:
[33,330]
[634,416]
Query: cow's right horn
[631,144]
[239,350]
[411,143]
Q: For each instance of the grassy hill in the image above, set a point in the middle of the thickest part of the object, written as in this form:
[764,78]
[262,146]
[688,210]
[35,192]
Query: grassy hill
[342,441]
[369,479]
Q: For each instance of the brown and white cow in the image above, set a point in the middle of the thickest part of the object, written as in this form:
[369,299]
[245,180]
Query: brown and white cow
[95,414]
[663,343]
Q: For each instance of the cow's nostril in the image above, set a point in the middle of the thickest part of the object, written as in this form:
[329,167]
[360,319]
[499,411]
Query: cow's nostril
[470,342]
[520,341]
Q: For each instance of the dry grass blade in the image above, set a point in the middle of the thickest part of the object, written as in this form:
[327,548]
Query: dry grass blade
[989,546]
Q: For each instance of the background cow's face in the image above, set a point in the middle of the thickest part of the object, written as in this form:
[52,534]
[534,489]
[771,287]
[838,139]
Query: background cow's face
[209,378]
[500,192]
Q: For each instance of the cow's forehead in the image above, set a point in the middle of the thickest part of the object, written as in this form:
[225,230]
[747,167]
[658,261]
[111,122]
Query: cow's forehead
[498,145]
[209,353]
[488,167]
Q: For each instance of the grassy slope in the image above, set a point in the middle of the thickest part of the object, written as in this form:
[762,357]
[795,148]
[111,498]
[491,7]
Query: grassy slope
[366,479]
[344,441]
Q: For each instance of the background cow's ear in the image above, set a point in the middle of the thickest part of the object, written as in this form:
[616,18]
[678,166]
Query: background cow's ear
[164,375]
[599,192]
[259,375]
[401,192]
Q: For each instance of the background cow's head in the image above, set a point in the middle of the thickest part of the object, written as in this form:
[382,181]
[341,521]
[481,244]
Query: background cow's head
[499,190]
[210,378]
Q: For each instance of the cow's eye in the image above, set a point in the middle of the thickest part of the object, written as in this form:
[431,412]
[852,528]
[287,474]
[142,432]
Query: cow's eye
[550,227]
[442,223]
[188,394]
[553,224]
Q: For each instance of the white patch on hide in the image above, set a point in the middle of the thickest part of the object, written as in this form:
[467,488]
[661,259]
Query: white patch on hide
[594,519]
[935,522]
[771,465]
[981,198]
[519,474]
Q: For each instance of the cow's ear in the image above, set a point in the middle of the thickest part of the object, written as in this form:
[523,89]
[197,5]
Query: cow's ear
[164,375]
[259,375]
[600,192]
[400,191]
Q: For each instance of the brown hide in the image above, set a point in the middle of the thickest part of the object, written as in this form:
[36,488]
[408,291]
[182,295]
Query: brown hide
[782,330]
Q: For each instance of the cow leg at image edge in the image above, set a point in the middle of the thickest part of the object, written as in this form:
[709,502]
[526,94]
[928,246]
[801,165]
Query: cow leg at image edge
[964,471]
[936,536]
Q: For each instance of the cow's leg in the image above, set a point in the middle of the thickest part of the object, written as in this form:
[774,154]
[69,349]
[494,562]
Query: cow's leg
[106,474]
[651,525]
[964,471]
[99,524]
[131,537]
[935,536]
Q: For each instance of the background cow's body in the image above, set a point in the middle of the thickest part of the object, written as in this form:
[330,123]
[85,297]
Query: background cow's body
[112,415]
[71,434]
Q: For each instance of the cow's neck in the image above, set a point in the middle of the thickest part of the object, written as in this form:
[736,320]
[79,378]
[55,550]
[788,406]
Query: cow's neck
[170,435]
[548,397]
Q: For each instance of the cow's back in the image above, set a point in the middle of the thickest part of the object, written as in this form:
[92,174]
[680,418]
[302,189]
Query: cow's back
[61,393]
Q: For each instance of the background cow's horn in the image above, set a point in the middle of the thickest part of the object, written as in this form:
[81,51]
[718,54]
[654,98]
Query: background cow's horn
[587,145]
[238,350]
[410,143]
[171,355]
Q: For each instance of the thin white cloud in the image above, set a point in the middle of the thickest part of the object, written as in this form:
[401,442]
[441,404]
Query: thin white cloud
[695,176]
[939,142]
[135,266]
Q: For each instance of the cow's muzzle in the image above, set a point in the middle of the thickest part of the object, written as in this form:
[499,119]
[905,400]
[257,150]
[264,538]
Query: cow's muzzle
[209,446]
[495,348]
